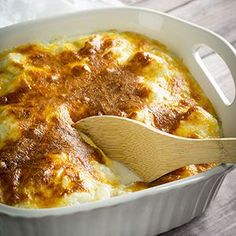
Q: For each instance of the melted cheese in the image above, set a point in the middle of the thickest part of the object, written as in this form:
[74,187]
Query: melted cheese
[46,88]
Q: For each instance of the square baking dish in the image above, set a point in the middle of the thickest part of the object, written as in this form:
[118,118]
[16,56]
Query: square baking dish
[151,211]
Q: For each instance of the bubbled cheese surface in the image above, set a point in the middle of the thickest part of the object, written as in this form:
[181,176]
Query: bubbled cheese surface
[46,88]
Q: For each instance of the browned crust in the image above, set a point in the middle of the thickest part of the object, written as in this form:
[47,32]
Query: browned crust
[104,88]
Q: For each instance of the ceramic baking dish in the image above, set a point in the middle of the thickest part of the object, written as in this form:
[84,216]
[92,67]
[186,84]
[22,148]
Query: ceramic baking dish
[151,211]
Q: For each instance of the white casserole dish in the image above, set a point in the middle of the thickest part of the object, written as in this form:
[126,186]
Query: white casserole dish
[151,211]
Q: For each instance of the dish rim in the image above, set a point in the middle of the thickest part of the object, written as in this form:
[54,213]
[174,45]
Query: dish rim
[128,197]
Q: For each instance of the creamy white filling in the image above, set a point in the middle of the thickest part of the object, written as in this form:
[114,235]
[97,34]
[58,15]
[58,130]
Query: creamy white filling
[126,176]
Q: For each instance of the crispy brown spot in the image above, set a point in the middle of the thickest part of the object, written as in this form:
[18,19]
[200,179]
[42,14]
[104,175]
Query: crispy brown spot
[68,57]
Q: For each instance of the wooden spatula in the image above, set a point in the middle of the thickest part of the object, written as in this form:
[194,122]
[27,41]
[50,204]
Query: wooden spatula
[150,152]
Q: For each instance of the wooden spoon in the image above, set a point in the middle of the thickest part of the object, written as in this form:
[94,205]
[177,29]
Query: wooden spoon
[150,152]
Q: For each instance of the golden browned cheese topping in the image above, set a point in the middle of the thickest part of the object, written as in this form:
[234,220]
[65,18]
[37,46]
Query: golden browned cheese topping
[45,89]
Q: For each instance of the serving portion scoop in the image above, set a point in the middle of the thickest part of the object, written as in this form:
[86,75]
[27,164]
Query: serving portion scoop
[150,152]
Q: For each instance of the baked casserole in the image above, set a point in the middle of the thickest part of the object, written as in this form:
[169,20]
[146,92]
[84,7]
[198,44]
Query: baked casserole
[46,88]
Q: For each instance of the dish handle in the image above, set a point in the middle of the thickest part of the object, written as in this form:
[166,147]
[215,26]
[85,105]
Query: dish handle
[224,49]
[226,110]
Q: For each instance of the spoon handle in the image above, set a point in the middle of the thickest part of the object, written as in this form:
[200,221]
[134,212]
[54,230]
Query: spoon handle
[222,150]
